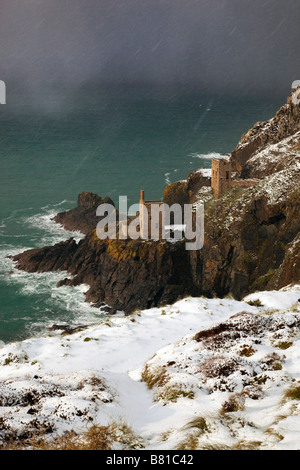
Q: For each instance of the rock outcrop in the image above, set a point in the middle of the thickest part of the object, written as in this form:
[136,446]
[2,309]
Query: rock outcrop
[122,274]
[83,217]
[187,191]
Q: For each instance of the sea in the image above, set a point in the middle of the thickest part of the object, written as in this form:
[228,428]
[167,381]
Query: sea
[114,142]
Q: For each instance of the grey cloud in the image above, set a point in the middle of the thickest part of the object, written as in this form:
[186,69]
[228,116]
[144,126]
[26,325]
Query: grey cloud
[221,45]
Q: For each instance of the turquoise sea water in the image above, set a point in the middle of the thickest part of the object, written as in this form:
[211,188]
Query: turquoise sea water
[109,142]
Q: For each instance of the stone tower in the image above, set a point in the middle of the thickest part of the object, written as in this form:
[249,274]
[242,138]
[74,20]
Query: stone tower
[220,176]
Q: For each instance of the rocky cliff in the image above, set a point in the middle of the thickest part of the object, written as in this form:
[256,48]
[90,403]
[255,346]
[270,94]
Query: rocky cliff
[252,235]
[188,191]
[285,123]
[123,275]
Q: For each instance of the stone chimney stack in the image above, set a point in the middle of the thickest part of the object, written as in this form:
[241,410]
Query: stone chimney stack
[142,197]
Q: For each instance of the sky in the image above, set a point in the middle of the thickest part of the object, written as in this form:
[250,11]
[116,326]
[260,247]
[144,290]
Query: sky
[241,46]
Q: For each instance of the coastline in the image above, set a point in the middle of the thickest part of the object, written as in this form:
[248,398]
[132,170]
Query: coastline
[207,353]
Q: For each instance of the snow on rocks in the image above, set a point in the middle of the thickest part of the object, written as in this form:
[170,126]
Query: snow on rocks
[277,156]
[201,373]
[243,364]
[275,299]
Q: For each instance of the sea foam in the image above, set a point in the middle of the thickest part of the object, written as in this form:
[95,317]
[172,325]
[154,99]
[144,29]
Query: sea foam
[50,304]
[206,156]
[53,232]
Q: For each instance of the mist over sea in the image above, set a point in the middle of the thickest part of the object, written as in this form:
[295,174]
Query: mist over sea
[113,142]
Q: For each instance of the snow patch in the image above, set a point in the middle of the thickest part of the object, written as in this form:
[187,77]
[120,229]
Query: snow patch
[94,376]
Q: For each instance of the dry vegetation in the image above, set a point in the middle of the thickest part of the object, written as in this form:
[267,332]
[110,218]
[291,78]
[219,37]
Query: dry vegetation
[95,437]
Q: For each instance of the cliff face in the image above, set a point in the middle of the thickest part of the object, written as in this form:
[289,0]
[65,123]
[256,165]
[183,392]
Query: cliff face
[252,235]
[122,274]
[285,123]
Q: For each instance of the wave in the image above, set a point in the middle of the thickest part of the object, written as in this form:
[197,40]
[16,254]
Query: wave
[171,175]
[36,296]
[48,304]
[207,156]
[6,264]
[17,223]
[53,232]
[65,201]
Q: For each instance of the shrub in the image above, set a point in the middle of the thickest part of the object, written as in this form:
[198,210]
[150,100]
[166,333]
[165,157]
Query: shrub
[255,303]
[156,377]
[173,393]
[292,393]
[247,351]
[283,345]
[189,443]
[198,423]
[233,404]
[95,438]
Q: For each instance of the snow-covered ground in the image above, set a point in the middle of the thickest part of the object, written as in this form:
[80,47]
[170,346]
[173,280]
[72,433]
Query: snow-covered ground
[196,374]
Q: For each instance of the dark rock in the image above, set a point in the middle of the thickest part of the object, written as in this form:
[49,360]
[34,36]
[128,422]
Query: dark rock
[51,258]
[88,200]
[83,217]
[176,193]
[66,329]
[196,180]
[123,274]
[185,192]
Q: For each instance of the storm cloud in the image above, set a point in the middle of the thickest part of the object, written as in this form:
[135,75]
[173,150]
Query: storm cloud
[221,45]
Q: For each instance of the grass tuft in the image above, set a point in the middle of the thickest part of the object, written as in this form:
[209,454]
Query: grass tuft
[292,393]
[154,378]
[94,438]
[198,423]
